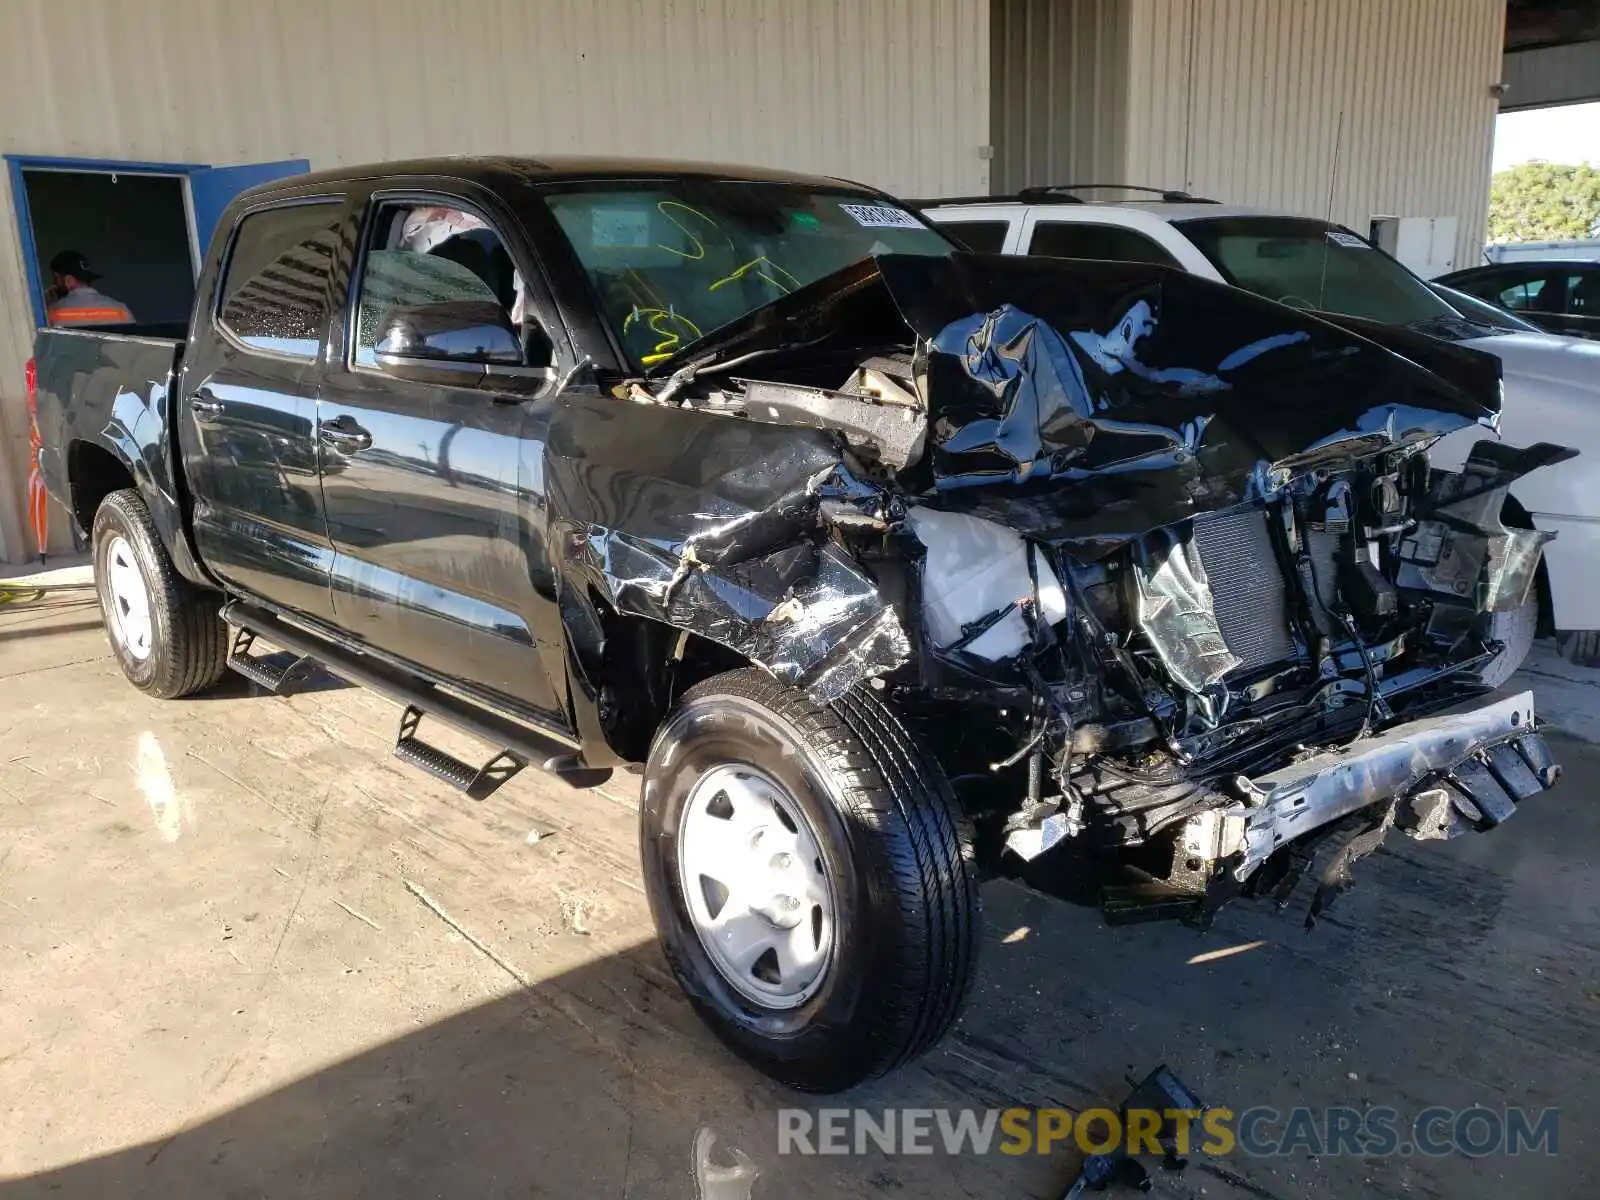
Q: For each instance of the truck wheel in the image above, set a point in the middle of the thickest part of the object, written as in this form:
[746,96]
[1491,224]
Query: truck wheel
[165,632]
[811,879]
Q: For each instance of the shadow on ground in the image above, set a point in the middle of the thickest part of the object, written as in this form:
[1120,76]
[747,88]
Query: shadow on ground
[574,1087]
[1452,975]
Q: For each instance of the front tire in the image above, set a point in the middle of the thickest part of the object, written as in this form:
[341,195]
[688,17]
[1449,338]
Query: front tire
[165,632]
[810,875]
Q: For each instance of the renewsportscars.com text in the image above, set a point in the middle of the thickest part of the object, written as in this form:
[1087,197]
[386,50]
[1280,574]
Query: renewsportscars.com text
[1258,1132]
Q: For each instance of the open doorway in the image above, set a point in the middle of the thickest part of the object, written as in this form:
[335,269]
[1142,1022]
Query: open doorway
[142,227]
[131,227]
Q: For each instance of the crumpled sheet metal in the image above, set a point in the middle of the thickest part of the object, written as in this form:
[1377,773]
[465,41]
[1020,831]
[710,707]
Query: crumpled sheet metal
[1177,613]
[1462,548]
[1304,796]
[1157,394]
[1513,565]
[806,613]
[716,526]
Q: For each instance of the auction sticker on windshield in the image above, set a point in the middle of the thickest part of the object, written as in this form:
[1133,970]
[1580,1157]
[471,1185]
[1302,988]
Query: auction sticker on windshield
[614,228]
[1340,238]
[881,216]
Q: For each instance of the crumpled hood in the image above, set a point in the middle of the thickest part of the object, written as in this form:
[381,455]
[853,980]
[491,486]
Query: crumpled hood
[1152,393]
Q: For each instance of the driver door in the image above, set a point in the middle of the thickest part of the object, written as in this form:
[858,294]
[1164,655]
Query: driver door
[420,455]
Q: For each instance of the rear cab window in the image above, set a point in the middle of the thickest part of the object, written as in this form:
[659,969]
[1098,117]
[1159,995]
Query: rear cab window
[274,294]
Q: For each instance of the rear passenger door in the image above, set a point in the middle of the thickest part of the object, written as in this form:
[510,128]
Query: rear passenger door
[421,421]
[247,403]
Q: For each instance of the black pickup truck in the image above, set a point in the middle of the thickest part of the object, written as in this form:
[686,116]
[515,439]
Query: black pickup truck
[889,567]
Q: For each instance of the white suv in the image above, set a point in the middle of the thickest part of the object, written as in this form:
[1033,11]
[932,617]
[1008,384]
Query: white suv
[1552,383]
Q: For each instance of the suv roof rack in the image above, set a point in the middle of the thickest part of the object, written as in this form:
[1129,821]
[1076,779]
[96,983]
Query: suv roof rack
[935,201]
[1060,193]
[1063,192]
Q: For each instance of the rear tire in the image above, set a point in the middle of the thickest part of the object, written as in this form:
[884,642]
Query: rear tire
[165,631]
[891,910]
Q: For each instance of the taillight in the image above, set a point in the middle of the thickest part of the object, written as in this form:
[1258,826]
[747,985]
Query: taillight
[31,374]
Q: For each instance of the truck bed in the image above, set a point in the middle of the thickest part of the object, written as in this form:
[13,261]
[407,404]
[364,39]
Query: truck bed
[109,391]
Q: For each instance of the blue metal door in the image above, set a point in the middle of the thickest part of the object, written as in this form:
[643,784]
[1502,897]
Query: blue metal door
[212,188]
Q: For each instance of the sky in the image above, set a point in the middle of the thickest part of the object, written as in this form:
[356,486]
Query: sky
[1569,134]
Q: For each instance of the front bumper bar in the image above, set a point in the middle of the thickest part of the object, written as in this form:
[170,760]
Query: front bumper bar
[1452,773]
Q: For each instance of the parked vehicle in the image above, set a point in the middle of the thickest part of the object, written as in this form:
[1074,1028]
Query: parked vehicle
[1481,313]
[1552,383]
[1581,249]
[1561,297]
[887,566]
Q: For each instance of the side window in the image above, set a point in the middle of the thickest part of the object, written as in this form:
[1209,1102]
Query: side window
[1519,296]
[447,269]
[1537,294]
[275,289]
[981,237]
[1583,294]
[1080,239]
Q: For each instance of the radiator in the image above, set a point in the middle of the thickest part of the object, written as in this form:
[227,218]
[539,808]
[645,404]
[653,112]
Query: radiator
[1246,586]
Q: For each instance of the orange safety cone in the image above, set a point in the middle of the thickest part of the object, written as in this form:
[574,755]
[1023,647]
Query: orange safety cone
[38,498]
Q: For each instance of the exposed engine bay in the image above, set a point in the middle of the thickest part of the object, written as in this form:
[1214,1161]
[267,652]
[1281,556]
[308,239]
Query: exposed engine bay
[1161,569]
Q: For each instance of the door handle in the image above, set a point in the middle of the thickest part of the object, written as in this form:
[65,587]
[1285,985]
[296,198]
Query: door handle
[205,406]
[343,435]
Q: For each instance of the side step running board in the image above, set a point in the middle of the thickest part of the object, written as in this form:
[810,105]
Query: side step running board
[521,744]
[476,782]
[281,679]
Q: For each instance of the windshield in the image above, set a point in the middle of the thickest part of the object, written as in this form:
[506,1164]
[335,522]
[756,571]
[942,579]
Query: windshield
[1313,265]
[672,261]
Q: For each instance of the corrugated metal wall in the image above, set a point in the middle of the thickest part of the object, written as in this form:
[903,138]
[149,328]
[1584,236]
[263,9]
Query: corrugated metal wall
[1059,85]
[1551,75]
[891,92]
[1255,101]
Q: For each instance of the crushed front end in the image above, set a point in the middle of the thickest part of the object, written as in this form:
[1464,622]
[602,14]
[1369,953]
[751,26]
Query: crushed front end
[1160,568]
[1202,712]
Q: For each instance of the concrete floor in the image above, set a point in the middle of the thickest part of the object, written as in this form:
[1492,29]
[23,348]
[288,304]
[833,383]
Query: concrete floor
[244,952]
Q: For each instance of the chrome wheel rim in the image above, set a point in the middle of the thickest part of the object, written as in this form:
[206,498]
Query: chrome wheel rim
[751,868]
[128,599]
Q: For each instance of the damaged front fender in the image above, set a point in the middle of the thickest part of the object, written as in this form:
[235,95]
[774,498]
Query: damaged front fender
[721,528]
[1460,546]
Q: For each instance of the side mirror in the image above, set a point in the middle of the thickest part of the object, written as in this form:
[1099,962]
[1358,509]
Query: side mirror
[470,334]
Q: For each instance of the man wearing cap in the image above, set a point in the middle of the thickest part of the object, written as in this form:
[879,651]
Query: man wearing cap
[75,301]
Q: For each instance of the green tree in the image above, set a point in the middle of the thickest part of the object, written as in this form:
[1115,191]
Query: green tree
[1544,202]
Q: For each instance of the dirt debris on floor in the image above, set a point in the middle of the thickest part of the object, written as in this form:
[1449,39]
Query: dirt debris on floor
[245,951]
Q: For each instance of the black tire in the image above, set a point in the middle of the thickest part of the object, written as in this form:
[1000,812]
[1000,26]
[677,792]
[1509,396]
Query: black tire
[897,854]
[189,642]
[1580,647]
